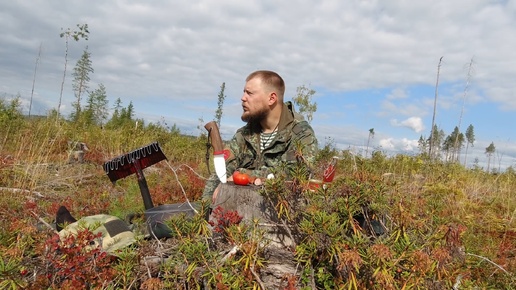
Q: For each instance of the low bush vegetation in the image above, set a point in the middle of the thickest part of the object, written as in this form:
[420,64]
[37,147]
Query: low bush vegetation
[385,222]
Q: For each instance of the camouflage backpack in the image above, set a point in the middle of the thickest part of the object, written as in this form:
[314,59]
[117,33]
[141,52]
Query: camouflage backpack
[115,232]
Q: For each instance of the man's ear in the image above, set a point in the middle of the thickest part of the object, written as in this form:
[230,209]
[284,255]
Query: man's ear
[273,98]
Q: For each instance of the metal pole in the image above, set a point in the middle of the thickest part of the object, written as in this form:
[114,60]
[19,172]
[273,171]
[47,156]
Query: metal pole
[144,189]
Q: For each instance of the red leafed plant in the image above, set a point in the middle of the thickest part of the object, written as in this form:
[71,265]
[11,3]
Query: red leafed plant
[223,219]
[76,263]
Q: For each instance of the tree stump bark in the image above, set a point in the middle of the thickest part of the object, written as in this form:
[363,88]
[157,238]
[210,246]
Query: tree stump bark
[278,241]
[249,204]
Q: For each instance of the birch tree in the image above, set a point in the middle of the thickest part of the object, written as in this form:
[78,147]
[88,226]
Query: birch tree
[303,100]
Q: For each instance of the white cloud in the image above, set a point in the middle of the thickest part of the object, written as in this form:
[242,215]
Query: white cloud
[414,123]
[399,145]
[172,57]
[396,108]
[397,93]
[387,144]
[409,145]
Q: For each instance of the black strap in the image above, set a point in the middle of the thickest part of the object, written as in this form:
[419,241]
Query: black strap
[208,146]
[116,227]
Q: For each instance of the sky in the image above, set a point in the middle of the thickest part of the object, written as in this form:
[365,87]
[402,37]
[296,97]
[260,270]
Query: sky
[373,64]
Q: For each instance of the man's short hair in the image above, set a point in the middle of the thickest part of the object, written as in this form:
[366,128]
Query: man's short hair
[270,78]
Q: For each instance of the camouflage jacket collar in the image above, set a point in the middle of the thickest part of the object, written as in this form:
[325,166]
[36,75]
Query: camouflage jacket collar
[288,115]
[251,132]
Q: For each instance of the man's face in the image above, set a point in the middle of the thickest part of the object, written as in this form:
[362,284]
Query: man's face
[255,101]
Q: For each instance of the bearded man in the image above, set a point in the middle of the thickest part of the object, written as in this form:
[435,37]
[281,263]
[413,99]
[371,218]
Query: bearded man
[274,134]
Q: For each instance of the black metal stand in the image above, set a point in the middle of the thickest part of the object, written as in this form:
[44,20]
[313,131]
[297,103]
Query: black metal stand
[142,183]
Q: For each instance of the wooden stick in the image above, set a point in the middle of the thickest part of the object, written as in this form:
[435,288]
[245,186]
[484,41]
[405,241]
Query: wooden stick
[16,190]
[44,222]
[493,263]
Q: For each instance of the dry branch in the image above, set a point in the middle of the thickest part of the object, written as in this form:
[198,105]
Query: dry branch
[20,190]
[491,262]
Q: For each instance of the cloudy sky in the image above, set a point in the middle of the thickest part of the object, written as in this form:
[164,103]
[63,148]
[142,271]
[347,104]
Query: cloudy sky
[373,64]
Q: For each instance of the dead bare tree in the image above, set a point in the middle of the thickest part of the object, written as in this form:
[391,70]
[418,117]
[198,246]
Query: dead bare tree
[466,88]
[371,136]
[430,150]
[75,35]
[34,78]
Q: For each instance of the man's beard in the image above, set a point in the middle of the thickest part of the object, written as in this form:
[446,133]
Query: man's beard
[257,116]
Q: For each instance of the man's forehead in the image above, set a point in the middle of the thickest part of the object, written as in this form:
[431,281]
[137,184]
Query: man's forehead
[253,84]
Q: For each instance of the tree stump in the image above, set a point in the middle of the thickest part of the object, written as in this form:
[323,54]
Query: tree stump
[278,241]
[249,204]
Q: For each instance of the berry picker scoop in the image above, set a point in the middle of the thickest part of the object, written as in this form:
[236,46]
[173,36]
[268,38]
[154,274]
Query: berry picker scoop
[134,162]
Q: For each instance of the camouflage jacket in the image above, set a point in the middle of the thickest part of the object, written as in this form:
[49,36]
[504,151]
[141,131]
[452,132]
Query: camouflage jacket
[295,140]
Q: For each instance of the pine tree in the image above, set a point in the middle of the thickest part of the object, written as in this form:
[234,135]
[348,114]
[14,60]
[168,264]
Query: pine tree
[81,75]
[114,122]
[422,144]
[490,150]
[127,114]
[220,104]
[96,111]
[452,145]
[436,140]
[456,142]
[470,138]
[123,117]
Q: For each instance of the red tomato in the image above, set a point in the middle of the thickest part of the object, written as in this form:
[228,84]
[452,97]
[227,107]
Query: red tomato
[241,178]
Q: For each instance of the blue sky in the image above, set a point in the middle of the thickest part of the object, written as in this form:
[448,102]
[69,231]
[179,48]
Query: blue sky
[372,63]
